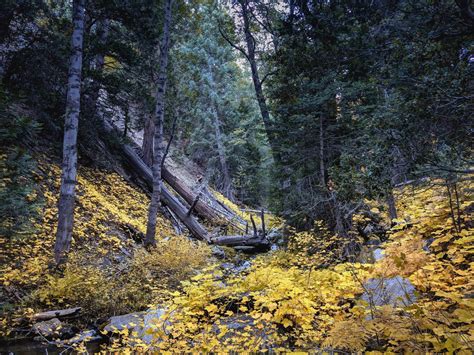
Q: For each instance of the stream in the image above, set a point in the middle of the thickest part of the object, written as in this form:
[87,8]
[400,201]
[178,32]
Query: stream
[396,291]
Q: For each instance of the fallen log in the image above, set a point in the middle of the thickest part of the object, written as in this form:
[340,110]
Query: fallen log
[257,241]
[167,197]
[60,313]
[201,208]
[241,240]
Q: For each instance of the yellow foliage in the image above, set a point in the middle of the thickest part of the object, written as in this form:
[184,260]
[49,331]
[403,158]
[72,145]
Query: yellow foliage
[269,305]
[294,300]
[109,213]
[143,278]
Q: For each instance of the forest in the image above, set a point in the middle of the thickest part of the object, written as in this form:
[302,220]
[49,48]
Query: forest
[227,176]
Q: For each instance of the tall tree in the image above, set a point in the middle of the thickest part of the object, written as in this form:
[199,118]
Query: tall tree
[69,165]
[246,14]
[158,134]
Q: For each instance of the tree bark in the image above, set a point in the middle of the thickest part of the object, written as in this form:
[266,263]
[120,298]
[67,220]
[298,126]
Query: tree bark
[147,146]
[241,240]
[226,179]
[69,312]
[322,168]
[69,164]
[392,208]
[166,196]
[158,135]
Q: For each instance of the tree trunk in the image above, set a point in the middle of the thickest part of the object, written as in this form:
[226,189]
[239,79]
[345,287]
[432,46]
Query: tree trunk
[392,209]
[60,313]
[158,135]
[262,104]
[322,168]
[241,240]
[69,164]
[226,179]
[147,146]
[166,196]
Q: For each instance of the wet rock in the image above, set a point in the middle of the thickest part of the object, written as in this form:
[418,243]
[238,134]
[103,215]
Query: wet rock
[242,266]
[137,323]
[127,321]
[228,266]
[85,336]
[236,323]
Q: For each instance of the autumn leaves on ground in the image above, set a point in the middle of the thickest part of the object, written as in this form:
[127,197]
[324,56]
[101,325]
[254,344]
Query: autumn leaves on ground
[301,297]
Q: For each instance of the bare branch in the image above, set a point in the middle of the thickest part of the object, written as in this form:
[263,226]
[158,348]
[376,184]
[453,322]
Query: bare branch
[240,49]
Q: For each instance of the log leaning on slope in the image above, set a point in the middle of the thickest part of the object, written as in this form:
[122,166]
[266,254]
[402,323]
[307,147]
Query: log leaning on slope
[201,208]
[166,197]
[181,212]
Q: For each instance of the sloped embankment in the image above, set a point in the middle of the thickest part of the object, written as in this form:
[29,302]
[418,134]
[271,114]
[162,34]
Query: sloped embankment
[108,272]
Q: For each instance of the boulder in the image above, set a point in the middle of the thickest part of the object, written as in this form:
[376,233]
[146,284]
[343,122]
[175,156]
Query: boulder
[137,323]
[85,336]
[129,321]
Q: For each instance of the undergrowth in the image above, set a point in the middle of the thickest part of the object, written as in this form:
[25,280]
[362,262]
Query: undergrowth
[286,303]
[107,272]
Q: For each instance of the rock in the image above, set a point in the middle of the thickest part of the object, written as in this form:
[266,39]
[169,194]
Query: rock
[228,266]
[275,235]
[127,321]
[427,243]
[370,254]
[149,322]
[49,328]
[138,323]
[218,252]
[243,266]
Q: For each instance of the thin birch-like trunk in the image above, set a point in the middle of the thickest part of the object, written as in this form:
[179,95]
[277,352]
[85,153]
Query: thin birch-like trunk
[69,164]
[158,136]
